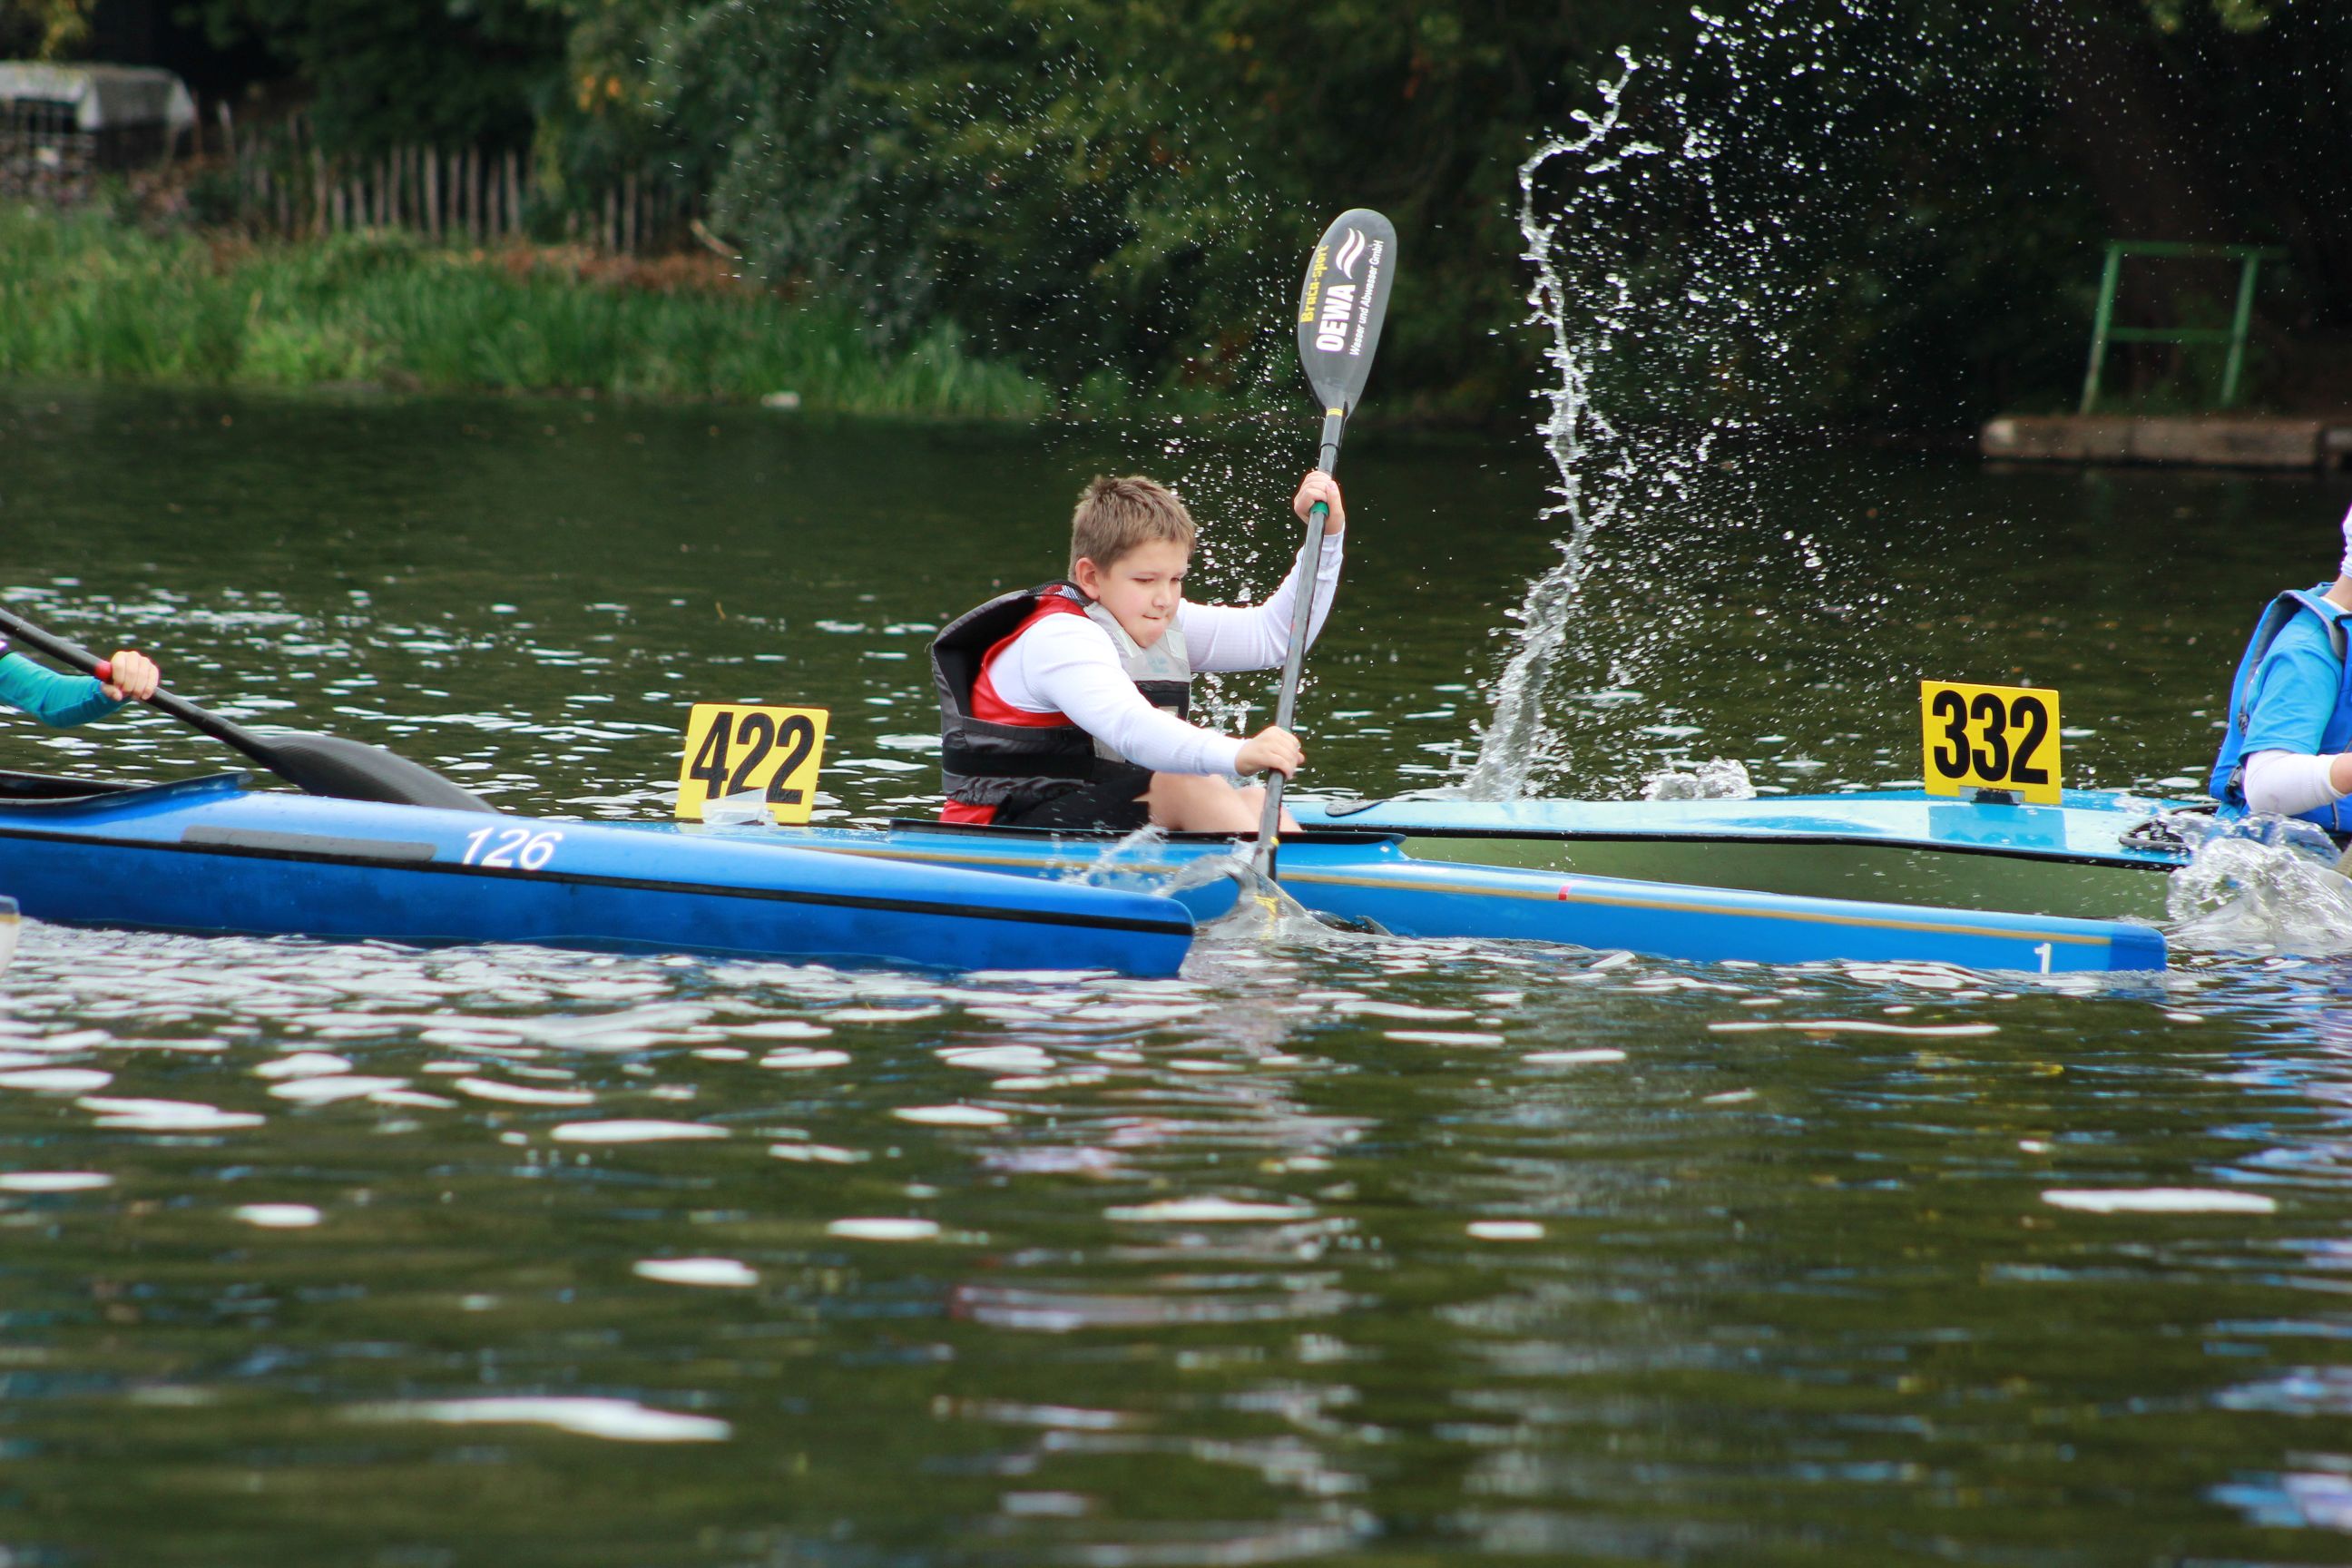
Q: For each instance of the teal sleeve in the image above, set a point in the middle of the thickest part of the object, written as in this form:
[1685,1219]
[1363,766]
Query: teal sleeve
[60,701]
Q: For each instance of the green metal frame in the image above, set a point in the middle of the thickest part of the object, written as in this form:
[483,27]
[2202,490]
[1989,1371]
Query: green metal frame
[2104,331]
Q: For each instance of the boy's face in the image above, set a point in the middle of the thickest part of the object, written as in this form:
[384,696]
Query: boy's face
[1140,589]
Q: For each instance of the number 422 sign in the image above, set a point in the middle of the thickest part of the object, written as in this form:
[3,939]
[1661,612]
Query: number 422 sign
[734,747]
[1991,737]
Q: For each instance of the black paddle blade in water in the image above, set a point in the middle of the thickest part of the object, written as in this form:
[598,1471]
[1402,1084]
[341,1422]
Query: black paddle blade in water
[351,770]
[1342,305]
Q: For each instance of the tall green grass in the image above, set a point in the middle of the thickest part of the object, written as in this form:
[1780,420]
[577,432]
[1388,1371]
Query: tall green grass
[87,296]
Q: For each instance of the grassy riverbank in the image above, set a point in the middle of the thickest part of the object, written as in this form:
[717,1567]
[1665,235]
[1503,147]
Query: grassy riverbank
[85,296]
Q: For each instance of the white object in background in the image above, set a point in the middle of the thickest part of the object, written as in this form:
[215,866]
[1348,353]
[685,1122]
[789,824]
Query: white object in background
[744,808]
[104,98]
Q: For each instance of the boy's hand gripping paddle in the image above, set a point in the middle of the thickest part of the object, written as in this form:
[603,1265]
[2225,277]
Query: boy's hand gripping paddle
[1341,308]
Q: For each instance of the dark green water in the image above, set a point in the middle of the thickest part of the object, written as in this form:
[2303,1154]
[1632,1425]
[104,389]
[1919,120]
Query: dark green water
[1204,1285]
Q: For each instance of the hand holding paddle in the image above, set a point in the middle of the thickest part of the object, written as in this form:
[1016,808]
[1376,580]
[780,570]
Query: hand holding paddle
[316,764]
[129,676]
[1341,307]
[1271,750]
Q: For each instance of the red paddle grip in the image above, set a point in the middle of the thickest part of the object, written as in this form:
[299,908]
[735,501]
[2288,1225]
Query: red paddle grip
[105,672]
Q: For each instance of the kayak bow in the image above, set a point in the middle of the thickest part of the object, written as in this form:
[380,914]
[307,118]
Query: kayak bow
[2098,853]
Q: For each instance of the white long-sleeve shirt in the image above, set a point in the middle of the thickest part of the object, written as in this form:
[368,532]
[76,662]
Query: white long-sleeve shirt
[2289,783]
[1068,665]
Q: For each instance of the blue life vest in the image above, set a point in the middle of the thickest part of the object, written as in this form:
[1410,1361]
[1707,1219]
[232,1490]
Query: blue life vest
[2228,784]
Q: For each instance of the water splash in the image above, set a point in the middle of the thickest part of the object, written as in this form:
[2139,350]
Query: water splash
[1514,742]
[2263,884]
[1692,247]
[1122,862]
[1721,779]
[1674,275]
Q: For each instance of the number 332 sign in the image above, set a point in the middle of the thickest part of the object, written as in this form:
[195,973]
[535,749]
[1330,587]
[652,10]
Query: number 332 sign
[730,748]
[1991,737]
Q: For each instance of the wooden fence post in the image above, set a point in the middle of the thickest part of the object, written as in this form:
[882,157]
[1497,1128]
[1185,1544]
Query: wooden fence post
[433,192]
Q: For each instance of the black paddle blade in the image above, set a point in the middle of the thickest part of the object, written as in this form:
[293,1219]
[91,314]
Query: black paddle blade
[1342,305]
[351,769]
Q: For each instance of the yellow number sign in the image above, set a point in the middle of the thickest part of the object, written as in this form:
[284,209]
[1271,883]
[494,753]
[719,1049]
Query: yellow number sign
[730,748]
[1991,737]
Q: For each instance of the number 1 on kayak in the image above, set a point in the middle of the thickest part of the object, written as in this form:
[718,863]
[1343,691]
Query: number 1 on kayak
[734,747]
[1991,737]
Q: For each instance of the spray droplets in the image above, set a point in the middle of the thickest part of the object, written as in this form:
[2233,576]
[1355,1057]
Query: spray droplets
[1693,249]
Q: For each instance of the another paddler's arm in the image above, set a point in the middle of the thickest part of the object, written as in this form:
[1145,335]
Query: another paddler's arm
[60,701]
[2294,696]
[2292,783]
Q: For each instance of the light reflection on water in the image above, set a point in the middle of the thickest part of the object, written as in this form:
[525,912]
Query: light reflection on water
[1332,1246]
[1219,1233]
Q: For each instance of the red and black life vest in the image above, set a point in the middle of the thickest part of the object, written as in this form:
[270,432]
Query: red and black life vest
[996,758]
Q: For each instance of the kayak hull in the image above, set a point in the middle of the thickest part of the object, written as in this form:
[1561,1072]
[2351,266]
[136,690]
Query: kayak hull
[1376,878]
[211,857]
[2076,859]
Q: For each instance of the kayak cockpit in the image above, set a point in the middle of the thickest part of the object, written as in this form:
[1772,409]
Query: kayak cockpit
[39,791]
[31,789]
[1006,832]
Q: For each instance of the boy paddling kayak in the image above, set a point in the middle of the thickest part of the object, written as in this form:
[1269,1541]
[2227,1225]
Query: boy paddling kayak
[1067,705]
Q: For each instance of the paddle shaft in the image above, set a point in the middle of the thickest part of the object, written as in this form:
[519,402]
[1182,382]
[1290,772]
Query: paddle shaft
[1294,659]
[19,629]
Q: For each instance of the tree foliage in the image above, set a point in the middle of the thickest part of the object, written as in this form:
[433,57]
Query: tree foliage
[1117,192]
[43,29]
[387,73]
[1102,187]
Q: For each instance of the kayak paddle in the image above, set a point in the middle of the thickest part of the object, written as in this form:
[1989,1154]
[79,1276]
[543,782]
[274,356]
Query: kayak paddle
[316,764]
[1341,308]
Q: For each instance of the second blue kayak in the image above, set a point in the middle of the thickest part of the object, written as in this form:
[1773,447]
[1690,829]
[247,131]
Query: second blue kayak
[2098,854]
[1373,878]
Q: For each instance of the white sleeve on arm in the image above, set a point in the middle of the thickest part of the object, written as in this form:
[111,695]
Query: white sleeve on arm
[1257,637]
[2288,782]
[1066,665]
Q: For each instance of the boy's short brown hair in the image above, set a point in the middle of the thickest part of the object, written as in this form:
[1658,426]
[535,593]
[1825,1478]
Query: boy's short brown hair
[1115,515]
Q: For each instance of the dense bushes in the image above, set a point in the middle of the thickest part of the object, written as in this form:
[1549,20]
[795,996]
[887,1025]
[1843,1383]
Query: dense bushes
[1115,194]
[89,297]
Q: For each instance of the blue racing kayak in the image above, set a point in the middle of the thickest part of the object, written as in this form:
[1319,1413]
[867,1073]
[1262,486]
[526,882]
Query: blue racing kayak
[211,856]
[2098,854]
[1374,879]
